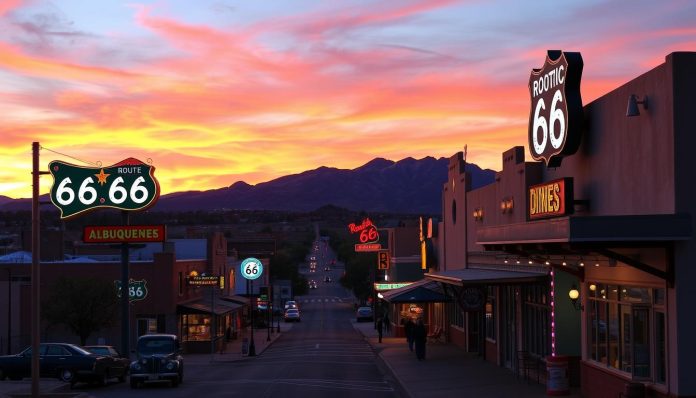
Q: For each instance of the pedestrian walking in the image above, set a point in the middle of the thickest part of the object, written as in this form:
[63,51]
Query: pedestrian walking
[387,324]
[408,329]
[380,327]
[419,335]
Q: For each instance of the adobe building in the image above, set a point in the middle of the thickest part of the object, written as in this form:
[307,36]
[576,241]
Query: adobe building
[584,254]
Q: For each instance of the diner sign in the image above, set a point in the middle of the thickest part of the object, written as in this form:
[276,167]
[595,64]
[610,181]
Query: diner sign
[556,116]
[204,280]
[550,199]
[368,236]
[390,286]
[124,234]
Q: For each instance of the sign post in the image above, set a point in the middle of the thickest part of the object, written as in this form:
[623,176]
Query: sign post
[129,185]
[251,269]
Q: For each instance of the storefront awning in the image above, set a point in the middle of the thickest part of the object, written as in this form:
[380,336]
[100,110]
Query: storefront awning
[203,306]
[475,276]
[423,291]
[595,229]
[236,299]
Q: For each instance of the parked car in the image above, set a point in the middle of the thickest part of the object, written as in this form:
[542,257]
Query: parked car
[67,362]
[327,279]
[120,365]
[364,314]
[158,358]
[292,315]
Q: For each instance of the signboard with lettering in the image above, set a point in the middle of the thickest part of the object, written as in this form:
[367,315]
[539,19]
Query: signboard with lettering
[127,185]
[368,247]
[390,286]
[550,199]
[124,234]
[204,280]
[556,116]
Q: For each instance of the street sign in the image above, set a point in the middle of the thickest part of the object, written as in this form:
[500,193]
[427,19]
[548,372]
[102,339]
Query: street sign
[124,234]
[137,290]
[383,259]
[251,268]
[127,185]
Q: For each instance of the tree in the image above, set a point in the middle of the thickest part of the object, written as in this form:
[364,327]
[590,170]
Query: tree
[84,305]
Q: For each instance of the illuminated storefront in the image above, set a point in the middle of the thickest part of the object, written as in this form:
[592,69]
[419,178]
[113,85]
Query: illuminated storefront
[610,219]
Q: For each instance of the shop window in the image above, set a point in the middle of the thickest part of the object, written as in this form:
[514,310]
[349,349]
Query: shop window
[536,320]
[147,326]
[622,334]
[490,313]
[455,316]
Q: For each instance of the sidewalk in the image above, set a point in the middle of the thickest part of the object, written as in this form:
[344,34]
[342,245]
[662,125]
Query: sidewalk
[448,371]
[233,349]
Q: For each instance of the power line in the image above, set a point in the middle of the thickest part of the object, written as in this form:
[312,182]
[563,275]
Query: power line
[98,163]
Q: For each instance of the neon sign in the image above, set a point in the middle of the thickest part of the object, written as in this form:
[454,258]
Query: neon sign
[367,229]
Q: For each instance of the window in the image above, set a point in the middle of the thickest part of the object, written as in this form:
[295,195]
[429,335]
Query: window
[454,211]
[626,325]
[490,313]
[536,320]
[455,316]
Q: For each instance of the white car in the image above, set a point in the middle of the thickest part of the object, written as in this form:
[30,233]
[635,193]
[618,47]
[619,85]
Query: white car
[292,315]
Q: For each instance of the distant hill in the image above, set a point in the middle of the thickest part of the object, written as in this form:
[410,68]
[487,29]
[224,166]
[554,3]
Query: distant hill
[408,186]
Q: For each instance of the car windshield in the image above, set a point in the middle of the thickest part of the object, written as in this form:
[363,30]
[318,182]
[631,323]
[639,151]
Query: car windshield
[364,310]
[155,346]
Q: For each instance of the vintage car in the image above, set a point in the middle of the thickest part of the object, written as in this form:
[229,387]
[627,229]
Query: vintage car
[158,358]
[68,362]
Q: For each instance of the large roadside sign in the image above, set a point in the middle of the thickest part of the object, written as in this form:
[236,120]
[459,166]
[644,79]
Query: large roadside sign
[127,185]
[124,233]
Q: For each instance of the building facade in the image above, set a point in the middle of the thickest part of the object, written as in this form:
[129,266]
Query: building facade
[612,222]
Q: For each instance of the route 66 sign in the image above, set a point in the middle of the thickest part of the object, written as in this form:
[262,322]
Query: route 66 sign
[251,268]
[556,117]
[127,185]
[137,290]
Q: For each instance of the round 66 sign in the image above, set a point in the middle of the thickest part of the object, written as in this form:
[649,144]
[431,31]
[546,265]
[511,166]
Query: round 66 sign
[251,268]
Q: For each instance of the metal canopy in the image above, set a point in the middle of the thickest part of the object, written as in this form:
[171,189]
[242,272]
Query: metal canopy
[475,276]
[203,307]
[423,291]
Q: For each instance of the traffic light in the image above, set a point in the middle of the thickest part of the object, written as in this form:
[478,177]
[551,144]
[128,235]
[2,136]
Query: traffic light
[383,259]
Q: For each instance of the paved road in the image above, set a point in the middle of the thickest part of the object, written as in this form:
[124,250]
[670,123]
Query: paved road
[322,356]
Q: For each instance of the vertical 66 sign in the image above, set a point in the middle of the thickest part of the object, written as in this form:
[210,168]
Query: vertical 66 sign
[251,268]
[127,185]
[555,119]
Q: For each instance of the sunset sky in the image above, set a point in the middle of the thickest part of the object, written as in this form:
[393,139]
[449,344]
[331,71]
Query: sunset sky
[215,92]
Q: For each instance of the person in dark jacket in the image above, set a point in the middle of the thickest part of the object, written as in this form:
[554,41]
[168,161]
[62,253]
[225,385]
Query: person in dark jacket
[380,328]
[419,336]
[408,329]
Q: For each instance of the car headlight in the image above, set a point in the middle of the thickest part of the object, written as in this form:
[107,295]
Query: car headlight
[136,366]
[171,366]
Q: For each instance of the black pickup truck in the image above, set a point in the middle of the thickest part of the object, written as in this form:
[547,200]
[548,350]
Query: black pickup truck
[158,358]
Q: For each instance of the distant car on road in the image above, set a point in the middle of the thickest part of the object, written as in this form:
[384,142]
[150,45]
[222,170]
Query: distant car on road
[290,304]
[327,279]
[158,358]
[364,314]
[67,362]
[312,284]
[292,315]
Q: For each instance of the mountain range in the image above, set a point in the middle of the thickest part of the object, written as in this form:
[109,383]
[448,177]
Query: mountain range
[408,186]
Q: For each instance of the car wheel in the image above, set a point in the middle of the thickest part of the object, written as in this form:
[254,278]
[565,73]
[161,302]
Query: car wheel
[175,382]
[67,375]
[103,379]
[134,383]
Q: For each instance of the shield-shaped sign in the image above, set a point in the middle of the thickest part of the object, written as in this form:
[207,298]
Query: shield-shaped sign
[556,117]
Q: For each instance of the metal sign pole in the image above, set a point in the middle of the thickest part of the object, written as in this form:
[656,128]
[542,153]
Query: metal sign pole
[35,274]
[125,294]
[252,347]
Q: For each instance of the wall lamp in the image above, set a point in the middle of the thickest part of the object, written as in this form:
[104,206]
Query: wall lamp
[506,205]
[478,214]
[632,108]
[574,295]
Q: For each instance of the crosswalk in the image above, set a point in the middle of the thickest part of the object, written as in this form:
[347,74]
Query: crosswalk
[321,300]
